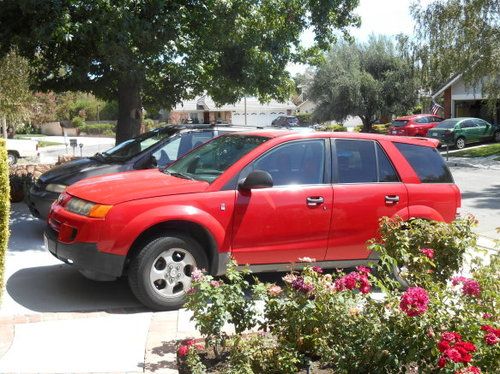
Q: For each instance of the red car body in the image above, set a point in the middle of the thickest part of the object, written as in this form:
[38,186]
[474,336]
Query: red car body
[414,125]
[264,227]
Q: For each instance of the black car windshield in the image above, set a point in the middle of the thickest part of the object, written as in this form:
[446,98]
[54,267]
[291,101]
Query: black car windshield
[210,160]
[399,123]
[132,147]
[447,124]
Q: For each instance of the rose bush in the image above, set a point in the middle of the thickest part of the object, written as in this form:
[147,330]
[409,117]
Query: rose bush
[360,321]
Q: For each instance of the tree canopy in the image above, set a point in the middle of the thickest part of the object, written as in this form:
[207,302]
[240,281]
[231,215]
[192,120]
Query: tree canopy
[460,37]
[365,80]
[158,52]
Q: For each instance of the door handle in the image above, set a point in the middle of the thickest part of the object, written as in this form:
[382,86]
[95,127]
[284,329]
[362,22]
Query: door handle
[392,199]
[313,201]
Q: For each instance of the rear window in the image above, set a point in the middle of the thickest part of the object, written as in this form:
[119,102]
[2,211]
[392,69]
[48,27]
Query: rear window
[427,163]
[399,123]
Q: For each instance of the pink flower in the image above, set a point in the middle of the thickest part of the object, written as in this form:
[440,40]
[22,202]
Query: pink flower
[469,370]
[457,280]
[191,291]
[491,338]
[451,336]
[274,290]
[427,252]
[183,350]
[215,283]
[317,269]
[487,315]
[363,269]
[300,285]
[197,275]
[470,287]
[354,280]
[414,301]
[289,278]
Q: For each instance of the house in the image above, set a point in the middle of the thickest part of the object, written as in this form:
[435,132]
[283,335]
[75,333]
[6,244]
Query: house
[248,111]
[463,100]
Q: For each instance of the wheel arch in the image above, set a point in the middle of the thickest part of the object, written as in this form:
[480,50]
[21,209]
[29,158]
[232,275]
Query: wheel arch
[420,212]
[183,227]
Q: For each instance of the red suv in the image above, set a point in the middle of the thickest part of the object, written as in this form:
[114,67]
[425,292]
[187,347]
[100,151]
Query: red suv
[415,125]
[265,198]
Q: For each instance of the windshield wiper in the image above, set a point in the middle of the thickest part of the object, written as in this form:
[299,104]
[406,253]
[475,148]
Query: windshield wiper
[99,157]
[180,175]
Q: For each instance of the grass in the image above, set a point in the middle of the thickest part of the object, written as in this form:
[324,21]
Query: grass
[28,136]
[487,150]
[42,143]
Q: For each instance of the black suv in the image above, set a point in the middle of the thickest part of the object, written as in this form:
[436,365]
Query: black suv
[285,121]
[157,148]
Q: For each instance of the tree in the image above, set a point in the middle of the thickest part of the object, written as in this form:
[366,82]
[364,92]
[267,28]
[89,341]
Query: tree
[365,80]
[157,52]
[460,37]
[15,95]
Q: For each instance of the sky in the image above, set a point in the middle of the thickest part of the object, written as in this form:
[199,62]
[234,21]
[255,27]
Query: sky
[381,17]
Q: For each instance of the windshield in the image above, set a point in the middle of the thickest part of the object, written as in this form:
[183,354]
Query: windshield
[447,124]
[399,123]
[132,147]
[210,160]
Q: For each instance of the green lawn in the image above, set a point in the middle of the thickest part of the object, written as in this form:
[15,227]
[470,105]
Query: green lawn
[487,150]
[28,136]
[42,143]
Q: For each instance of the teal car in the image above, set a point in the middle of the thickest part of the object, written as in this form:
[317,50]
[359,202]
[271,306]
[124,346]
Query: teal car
[462,131]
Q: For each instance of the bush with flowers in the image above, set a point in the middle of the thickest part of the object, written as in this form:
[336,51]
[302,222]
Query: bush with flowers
[358,322]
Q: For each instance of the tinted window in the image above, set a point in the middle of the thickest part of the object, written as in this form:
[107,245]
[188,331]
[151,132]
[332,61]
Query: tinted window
[356,161]
[427,163]
[467,124]
[386,172]
[436,119]
[447,124]
[179,145]
[481,122]
[300,162]
[399,123]
[422,120]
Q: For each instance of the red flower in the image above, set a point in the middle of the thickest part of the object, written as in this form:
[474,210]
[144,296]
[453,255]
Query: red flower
[491,338]
[451,336]
[317,269]
[454,349]
[427,252]
[414,301]
[453,354]
[442,362]
[183,350]
[355,280]
[470,287]
[363,269]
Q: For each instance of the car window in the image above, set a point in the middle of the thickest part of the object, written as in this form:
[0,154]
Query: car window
[427,163]
[355,161]
[447,124]
[297,162]
[211,159]
[168,152]
[422,120]
[467,124]
[480,122]
[386,171]
[436,119]
[399,123]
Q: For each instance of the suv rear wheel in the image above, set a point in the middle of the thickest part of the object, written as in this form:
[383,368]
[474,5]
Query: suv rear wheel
[160,275]
[460,143]
[12,158]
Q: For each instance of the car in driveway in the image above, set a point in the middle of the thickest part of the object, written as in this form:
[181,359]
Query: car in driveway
[285,121]
[21,148]
[157,148]
[414,125]
[264,198]
[461,131]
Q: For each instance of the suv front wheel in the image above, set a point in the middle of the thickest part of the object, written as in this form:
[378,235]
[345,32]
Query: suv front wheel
[160,275]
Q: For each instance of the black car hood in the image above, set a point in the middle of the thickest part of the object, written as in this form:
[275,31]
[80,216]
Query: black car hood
[76,170]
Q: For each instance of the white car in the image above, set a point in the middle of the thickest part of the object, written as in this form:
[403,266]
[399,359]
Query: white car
[17,148]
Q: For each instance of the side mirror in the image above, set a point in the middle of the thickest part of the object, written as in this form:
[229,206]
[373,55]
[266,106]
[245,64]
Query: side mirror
[256,179]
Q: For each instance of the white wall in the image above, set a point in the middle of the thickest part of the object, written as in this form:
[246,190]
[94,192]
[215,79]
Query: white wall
[257,117]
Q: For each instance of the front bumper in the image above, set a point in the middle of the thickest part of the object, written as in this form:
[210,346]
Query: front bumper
[85,256]
[40,201]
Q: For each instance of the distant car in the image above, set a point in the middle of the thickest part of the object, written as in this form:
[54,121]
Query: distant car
[285,121]
[414,125]
[462,131]
[157,148]
[18,148]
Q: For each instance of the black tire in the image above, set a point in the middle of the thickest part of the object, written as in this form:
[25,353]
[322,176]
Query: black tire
[11,158]
[460,142]
[178,253]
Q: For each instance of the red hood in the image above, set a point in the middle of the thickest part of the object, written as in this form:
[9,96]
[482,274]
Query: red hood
[132,185]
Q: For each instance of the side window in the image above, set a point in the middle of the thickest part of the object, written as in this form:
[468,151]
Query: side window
[356,161]
[467,124]
[436,119]
[299,162]
[427,163]
[422,120]
[168,152]
[480,122]
[386,172]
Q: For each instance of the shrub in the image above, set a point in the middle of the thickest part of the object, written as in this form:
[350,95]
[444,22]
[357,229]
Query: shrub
[335,322]
[381,128]
[107,129]
[305,118]
[77,122]
[4,208]
[338,127]
[148,124]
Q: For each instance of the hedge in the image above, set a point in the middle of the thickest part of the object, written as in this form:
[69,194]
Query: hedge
[4,208]
[107,129]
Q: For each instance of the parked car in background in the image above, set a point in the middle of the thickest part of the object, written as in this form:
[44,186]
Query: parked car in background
[285,121]
[264,198]
[414,125]
[464,130]
[157,148]
[21,148]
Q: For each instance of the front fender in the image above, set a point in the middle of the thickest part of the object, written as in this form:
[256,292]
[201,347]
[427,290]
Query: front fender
[140,223]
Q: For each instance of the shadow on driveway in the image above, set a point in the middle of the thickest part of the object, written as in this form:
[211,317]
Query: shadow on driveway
[60,288]
[487,198]
[26,231]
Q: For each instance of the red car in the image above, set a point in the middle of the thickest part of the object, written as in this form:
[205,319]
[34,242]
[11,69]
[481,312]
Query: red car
[265,198]
[414,125]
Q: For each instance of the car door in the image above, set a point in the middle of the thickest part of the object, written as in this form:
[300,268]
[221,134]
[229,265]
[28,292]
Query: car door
[292,218]
[484,130]
[366,187]
[470,131]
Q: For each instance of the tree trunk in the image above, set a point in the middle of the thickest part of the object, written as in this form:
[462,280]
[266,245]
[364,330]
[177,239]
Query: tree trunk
[367,124]
[129,110]
[3,123]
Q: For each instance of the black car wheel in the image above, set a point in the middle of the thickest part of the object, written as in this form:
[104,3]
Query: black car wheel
[11,158]
[460,143]
[160,275]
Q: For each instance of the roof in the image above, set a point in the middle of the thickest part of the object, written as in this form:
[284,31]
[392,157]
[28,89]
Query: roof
[206,103]
[411,116]
[450,82]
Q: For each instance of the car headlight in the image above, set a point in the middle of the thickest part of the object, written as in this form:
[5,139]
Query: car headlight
[52,187]
[87,208]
